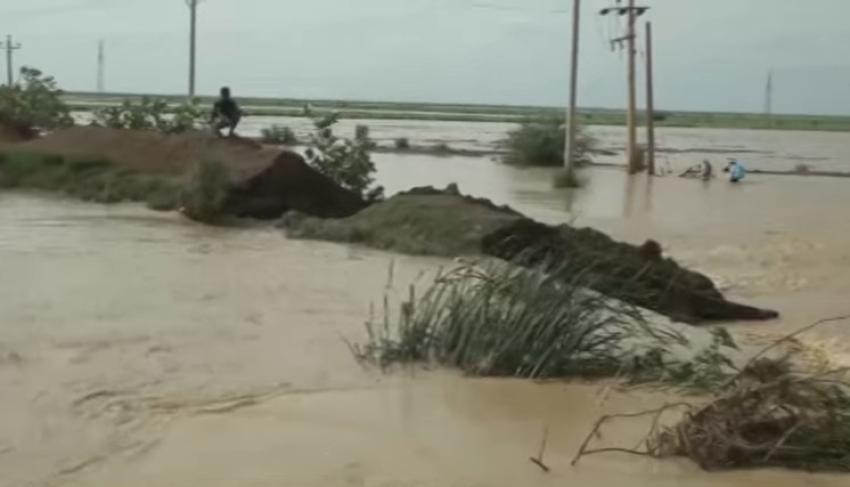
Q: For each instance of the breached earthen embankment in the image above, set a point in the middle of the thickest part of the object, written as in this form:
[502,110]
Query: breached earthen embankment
[267,183]
[446,223]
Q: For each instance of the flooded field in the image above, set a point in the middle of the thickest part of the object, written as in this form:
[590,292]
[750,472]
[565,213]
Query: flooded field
[145,350]
[678,147]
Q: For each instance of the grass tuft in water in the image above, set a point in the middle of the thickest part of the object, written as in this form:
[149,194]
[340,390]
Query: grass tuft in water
[502,320]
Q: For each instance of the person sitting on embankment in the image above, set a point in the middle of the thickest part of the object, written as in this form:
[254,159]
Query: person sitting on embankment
[226,114]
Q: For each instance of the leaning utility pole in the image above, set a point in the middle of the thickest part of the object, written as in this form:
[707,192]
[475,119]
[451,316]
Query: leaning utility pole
[101,67]
[193,22]
[632,112]
[650,105]
[10,48]
[569,157]
[632,12]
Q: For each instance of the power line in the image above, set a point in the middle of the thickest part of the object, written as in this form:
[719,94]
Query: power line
[497,6]
[10,48]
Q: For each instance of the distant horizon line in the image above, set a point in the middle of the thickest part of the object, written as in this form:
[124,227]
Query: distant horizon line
[597,109]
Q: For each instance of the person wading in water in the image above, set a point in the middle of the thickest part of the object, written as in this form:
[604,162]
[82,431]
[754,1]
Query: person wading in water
[226,114]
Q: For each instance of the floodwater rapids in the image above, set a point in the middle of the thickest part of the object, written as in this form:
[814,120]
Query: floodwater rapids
[139,349]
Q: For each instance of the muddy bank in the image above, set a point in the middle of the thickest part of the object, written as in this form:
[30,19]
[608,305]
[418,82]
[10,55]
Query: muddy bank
[288,183]
[445,223]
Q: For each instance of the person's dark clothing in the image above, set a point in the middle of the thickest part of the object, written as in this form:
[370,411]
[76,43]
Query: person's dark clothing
[226,107]
[226,114]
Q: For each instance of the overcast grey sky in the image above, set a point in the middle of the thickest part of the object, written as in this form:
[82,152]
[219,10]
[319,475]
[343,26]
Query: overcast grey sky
[710,54]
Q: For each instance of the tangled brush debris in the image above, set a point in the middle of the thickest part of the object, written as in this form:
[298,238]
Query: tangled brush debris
[767,415]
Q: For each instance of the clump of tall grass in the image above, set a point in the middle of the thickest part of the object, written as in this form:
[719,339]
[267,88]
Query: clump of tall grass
[206,190]
[503,320]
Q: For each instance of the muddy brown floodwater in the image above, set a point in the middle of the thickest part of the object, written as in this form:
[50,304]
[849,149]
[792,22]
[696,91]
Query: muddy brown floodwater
[139,349]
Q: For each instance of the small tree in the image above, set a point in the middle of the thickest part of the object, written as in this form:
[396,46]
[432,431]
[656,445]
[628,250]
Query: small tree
[347,161]
[33,104]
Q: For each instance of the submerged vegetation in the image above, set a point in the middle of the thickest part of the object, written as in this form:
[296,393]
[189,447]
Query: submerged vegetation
[543,143]
[766,415]
[402,143]
[497,319]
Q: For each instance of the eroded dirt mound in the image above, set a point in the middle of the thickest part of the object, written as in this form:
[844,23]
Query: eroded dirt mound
[641,273]
[422,221]
[445,223]
[290,184]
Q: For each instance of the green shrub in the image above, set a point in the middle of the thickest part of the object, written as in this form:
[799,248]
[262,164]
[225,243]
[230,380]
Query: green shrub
[205,190]
[278,134]
[151,114]
[543,143]
[402,143]
[186,117]
[33,104]
[347,161]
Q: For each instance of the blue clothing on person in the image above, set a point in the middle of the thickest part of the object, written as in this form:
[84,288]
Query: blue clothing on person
[737,171]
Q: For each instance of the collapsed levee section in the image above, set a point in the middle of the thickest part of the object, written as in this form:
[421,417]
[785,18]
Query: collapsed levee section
[446,223]
[639,273]
[288,183]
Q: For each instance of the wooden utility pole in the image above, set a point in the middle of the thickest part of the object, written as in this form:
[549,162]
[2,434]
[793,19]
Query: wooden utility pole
[10,48]
[101,67]
[632,12]
[631,122]
[572,127]
[650,105]
[768,94]
[193,23]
